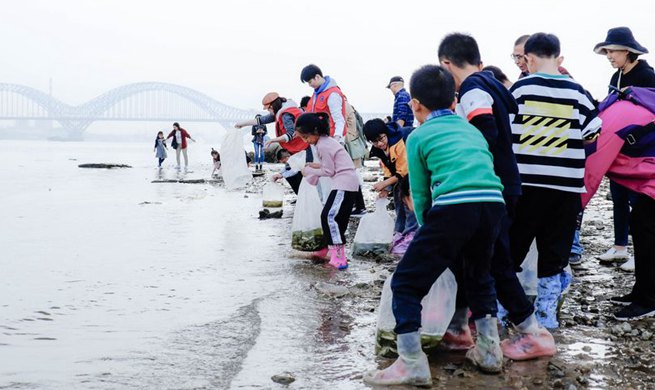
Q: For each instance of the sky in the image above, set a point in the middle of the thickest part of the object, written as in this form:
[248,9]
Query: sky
[237,51]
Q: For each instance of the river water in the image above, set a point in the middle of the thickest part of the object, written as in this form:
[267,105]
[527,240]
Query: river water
[112,281]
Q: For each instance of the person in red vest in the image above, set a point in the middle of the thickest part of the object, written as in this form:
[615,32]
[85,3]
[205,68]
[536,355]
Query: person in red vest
[328,98]
[284,113]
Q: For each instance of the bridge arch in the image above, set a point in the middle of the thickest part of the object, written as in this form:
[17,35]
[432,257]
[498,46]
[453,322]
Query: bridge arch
[76,119]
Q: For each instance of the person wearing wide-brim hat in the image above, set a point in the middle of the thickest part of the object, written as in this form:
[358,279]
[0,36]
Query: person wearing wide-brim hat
[623,50]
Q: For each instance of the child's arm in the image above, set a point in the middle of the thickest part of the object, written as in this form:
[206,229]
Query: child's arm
[419,179]
[478,108]
[326,167]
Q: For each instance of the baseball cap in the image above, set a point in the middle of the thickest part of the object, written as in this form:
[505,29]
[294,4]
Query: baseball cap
[395,79]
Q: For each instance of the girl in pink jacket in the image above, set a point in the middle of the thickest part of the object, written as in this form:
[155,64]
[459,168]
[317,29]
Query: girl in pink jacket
[335,163]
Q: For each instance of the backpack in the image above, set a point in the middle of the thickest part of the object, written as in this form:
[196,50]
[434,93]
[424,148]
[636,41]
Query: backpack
[355,140]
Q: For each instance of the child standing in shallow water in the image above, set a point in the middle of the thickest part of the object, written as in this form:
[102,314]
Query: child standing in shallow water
[314,128]
[216,161]
[160,148]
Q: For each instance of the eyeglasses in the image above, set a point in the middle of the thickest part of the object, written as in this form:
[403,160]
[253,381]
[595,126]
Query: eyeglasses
[381,138]
[517,57]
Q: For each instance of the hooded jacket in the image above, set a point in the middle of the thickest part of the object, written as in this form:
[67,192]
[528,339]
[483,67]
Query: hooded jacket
[320,102]
[625,149]
[394,159]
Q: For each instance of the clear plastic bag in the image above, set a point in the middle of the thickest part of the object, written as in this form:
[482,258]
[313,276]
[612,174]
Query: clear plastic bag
[273,195]
[528,275]
[306,230]
[233,161]
[375,232]
[297,161]
[438,309]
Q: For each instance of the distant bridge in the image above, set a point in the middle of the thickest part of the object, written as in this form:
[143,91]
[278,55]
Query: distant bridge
[148,101]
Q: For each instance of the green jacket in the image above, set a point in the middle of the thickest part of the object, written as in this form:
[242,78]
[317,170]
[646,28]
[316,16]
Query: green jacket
[450,163]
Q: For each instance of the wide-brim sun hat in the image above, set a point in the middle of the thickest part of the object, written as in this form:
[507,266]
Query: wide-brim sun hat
[620,38]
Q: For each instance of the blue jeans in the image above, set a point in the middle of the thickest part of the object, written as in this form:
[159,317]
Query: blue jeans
[459,235]
[623,199]
[259,153]
[577,248]
[405,219]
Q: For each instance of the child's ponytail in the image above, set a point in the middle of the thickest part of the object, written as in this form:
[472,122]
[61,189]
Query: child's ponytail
[313,123]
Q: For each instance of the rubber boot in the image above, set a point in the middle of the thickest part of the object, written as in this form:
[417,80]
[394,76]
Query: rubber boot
[322,254]
[411,367]
[338,257]
[529,341]
[549,291]
[458,335]
[487,354]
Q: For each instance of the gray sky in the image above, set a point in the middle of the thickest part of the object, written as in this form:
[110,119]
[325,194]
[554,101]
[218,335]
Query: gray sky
[236,51]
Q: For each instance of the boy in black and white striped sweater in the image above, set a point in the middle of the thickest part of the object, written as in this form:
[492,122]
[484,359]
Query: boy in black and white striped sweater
[555,117]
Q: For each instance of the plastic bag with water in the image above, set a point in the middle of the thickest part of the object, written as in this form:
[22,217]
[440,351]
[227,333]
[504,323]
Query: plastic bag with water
[438,309]
[375,232]
[306,230]
[233,161]
[273,195]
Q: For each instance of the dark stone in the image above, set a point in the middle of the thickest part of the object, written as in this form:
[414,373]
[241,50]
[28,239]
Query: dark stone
[103,166]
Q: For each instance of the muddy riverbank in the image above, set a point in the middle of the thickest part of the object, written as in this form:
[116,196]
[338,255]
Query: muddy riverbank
[135,279]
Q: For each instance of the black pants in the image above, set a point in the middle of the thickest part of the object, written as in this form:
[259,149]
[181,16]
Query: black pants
[460,235]
[642,226]
[359,200]
[549,216]
[294,182]
[335,216]
[508,288]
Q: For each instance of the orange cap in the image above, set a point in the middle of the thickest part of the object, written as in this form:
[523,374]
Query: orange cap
[269,98]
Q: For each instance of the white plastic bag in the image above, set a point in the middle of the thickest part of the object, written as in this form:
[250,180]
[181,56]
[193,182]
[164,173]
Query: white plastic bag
[528,276]
[438,309]
[324,185]
[306,230]
[375,232]
[273,195]
[233,161]
[297,161]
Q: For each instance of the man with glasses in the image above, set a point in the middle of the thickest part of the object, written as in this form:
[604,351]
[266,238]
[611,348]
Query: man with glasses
[518,56]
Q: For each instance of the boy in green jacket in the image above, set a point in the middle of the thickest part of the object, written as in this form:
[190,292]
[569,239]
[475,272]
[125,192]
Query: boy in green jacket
[459,204]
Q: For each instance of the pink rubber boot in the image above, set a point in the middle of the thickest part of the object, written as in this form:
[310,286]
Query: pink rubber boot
[338,257]
[322,254]
[458,335]
[529,342]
